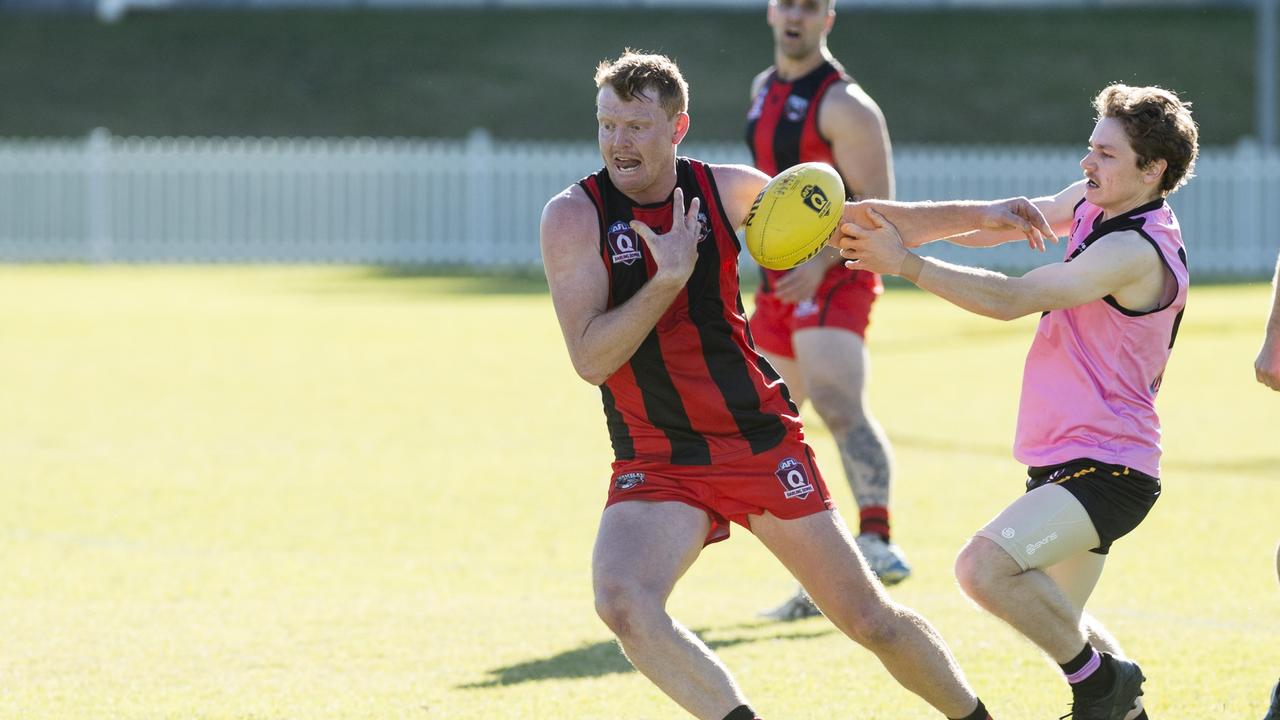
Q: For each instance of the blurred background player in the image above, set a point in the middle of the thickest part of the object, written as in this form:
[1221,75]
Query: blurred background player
[1274,712]
[810,322]
[1267,369]
[1267,366]
[645,288]
[1087,426]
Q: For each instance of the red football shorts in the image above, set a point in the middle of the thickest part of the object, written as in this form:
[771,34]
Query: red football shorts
[843,300]
[785,481]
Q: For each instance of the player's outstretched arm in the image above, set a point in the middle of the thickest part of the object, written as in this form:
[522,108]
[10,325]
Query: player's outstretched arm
[1267,366]
[1108,267]
[922,222]
[601,339]
[1057,211]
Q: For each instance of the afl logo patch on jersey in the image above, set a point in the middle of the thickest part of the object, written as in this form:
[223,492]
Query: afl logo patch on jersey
[795,481]
[623,246]
[626,481]
[796,108]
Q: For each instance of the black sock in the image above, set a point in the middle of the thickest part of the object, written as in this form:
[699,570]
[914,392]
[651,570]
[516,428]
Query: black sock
[1077,663]
[742,712]
[979,713]
[1098,681]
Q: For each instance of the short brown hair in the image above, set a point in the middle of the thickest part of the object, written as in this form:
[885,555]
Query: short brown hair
[633,74]
[1159,127]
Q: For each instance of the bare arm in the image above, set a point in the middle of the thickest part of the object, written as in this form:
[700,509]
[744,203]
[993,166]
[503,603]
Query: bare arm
[601,339]
[1267,366]
[1111,266]
[1057,210]
[922,222]
[738,185]
[854,125]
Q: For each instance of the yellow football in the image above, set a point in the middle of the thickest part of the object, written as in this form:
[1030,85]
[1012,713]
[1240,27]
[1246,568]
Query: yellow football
[794,215]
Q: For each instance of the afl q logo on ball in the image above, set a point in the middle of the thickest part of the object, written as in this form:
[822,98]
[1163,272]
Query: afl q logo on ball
[816,199]
[795,483]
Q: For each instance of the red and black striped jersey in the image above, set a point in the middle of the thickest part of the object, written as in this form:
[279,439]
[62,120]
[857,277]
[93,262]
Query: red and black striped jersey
[695,392]
[782,123]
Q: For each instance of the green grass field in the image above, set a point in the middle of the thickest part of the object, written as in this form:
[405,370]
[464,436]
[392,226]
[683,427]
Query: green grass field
[346,493]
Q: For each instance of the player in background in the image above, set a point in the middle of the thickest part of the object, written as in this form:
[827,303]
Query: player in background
[1274,712]
[811,321]
[641,260]
[1267,366]
[1087,426]
[1267,369]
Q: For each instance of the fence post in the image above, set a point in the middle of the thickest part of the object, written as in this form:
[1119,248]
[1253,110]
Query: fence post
[97,215]
[479,218]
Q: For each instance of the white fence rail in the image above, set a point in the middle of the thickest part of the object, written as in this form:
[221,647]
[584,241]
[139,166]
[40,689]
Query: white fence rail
[477,202]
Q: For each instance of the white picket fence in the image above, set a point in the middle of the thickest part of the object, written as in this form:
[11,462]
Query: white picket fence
[477,202]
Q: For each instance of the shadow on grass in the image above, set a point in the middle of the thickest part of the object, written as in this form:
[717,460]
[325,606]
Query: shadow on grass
[605,658]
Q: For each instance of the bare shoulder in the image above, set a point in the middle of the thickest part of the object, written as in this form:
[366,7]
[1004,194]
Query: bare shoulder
[846,104]
[1130,245]
[567,215]
[1120,257]
[738,185]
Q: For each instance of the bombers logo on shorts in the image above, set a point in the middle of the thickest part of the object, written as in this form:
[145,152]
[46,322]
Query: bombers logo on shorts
[795,482]
[796,107]
[805,308]
[626,481]
[622,244]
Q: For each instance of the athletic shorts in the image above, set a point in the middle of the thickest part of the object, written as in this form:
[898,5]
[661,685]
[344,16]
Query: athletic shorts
[1114,497]
[843,300]
[785,481]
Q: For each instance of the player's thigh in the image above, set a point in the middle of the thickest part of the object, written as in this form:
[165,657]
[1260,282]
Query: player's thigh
[1077,576]
[833,361]
[646,546]
[819,551]
[789,369]
[1042,528]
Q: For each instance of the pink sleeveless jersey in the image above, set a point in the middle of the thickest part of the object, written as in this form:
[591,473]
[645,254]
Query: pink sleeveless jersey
[1093,371]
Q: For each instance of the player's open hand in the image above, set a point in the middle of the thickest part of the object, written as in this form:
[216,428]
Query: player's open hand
[676,251]
[878,248]
[1022,215]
